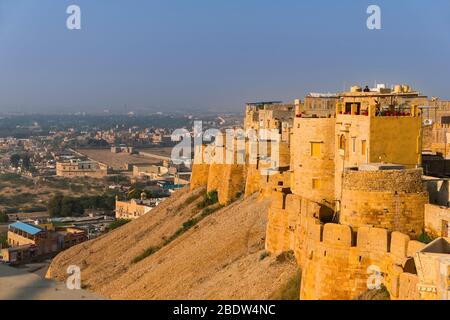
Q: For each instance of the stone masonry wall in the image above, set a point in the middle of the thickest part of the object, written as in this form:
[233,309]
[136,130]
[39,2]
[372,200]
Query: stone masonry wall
[200,168]
[409,181]
[200,173]
[308,167]
[252,181]
[232,184]
[436,219]
[334,258]
[337,268]
[394,200]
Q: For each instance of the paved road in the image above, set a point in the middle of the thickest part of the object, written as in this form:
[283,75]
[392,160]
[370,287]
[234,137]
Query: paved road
[18,284]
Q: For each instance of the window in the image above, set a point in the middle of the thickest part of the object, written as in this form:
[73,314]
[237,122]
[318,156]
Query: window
[316,149]
[445,228]
[342,142]
[354,144]
[315,184]
[355,105]
[363,147]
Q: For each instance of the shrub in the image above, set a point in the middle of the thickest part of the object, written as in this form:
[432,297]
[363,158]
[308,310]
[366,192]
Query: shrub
[210,210]
[375,294]
[190,199]
[263,255]
[148,252]
[76,187]
[119,179]
[10,177]
[117,224]
[184,228]
[425,238]
[286,256]
[189,224]
[209,199]
[212,197]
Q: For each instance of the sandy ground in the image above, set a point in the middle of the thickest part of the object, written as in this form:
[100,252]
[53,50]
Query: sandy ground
[163,151]
[117,161]
[43,191]
[20,284]
[219,258]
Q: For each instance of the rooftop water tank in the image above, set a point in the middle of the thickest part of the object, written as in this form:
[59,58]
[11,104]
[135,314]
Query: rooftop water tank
[398,88]
[355,89]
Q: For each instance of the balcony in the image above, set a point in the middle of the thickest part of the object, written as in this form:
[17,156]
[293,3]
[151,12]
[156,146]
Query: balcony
[355,109]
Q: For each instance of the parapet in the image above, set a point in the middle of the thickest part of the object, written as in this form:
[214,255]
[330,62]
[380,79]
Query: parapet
[337,234]
[389,199]
[368,239]
[384,178]
[336,264]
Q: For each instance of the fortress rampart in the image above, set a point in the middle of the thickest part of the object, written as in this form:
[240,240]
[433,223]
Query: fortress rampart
[334,257]
[337,266]
[342,199]
[200,168]
[390,199]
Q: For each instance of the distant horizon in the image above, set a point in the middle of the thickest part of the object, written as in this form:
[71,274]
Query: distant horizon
[130,110]
[140,112]
[150,56]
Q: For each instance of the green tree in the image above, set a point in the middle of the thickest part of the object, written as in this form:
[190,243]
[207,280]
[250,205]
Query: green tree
[14,160]
[63,206]
[66,207]
[26,163]
[134,194]
[3,217]
[54,206]
[4,240]
[71,207]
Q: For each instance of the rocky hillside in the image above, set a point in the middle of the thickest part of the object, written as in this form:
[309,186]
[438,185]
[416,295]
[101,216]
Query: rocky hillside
[185,250]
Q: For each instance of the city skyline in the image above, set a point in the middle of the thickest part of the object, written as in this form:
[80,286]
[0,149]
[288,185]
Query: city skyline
[166,56]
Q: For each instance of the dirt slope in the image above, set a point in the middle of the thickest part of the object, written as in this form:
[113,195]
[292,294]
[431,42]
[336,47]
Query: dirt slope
[219,258]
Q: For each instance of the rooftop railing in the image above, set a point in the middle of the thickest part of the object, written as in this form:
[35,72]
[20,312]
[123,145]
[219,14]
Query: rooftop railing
[377,111]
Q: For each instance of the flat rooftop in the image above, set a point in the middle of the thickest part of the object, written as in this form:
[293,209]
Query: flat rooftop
[380,167]
[25,227]
[412,94]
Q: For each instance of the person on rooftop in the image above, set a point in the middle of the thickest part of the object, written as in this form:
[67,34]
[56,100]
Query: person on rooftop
[366,89]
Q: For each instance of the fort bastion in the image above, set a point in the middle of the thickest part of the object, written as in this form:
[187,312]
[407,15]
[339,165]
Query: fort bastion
[347,192]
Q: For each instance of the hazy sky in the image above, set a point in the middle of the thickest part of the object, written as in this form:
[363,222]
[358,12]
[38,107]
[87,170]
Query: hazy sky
[213,53]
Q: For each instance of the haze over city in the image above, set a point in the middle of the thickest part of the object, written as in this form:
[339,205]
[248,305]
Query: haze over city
[211,55]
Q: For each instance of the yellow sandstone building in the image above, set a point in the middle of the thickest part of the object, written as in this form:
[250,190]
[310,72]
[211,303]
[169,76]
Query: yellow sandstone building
[78,168]
[347,193]
[134,208]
